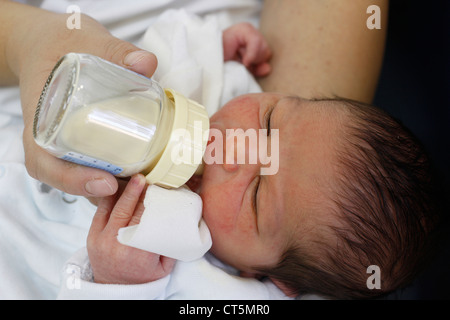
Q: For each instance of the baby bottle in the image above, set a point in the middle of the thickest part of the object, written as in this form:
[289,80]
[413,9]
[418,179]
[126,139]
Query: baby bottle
[98,114]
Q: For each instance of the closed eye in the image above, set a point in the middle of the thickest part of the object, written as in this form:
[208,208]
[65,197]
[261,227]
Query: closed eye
[255,195]
[267,119]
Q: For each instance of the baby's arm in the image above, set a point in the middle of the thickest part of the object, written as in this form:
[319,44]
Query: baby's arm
[244,43]
[112,262]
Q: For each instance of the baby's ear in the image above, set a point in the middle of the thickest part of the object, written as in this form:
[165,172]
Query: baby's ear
[286,290]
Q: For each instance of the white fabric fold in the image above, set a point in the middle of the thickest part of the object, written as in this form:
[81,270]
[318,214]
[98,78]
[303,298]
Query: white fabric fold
[190,55]
[171,225]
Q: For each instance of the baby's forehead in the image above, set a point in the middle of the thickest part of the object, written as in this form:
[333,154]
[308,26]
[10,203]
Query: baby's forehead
[299,119]
[310,139]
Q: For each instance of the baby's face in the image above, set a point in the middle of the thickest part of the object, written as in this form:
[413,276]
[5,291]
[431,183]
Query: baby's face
[253,217]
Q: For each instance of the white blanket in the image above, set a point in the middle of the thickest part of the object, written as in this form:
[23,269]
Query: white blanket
[40,227]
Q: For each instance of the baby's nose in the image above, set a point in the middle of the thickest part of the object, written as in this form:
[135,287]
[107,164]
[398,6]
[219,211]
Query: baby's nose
[240,148]
[230,167]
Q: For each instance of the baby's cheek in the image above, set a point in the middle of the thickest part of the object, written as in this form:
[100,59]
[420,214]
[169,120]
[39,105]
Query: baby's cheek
[219,214]
[223,225]
[219,221]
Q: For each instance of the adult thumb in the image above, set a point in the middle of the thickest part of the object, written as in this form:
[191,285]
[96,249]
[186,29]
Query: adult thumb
[131,57]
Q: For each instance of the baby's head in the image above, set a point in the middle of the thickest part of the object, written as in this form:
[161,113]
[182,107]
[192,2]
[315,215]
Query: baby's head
[352,190]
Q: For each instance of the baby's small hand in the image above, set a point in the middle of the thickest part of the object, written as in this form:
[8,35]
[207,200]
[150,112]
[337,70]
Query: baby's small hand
[244,43]
[112,262]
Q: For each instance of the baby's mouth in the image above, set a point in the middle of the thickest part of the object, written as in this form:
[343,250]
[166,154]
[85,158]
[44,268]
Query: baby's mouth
[195,183]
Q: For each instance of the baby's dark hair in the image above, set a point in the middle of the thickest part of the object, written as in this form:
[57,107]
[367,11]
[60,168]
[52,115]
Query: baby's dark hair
[385,203]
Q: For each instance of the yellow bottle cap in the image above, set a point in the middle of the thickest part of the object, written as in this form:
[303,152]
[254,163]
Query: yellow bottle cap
[187,143]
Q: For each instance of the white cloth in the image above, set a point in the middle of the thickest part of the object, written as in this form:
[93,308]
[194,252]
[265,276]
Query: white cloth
[202,279]
[40,228]
[171,225]
[190,55]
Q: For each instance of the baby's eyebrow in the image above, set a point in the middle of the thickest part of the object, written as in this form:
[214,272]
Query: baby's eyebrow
[276,106]
[355,103]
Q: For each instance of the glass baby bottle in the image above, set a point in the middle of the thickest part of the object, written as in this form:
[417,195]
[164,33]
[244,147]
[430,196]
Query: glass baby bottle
[95,113]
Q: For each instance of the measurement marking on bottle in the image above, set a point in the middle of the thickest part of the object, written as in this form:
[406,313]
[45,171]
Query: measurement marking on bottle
[91,162]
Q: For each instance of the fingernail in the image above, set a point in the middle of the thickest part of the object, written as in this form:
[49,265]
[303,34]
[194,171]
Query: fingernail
[140,179]
[99,188]
[135,179]
[134,57]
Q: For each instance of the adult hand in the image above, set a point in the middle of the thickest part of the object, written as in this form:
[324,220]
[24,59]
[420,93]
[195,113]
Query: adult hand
[36,40]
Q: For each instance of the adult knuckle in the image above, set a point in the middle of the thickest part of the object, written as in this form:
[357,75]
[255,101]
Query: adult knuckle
[30,165]
[116,50]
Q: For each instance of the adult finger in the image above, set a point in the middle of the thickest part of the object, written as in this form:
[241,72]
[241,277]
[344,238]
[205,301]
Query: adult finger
[95,39]
[129,56]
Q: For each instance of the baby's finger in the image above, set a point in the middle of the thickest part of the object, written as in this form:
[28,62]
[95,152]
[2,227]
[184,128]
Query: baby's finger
[249,53]
[101,217]
[139,210]
[257,52]
[261,70]
[125,206]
